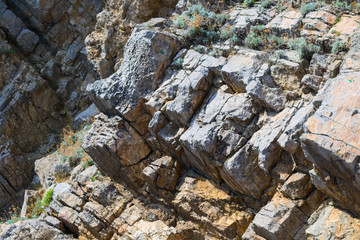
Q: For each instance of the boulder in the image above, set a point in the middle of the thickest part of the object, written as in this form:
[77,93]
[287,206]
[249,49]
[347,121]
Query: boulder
[297,186]
[286,24]
[27,40]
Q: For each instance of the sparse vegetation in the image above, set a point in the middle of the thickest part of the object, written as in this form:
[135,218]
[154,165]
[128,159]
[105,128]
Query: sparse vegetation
[337,19]
[338,46]
[267,3]
[249,3]
[179,62]
[200,24]
[280,54]
[260,37]
[337,33]
[47,198]
[304,48]
[70,149]
[306,8]
[342,5]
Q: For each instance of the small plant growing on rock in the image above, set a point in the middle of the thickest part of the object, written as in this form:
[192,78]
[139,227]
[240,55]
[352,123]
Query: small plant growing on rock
[200,24]
[179,62]
[259,37]
[305,9]
[337,33]
[249,3]
[338,46]
[267,3]
[47,198]
[341,5]
[305,49]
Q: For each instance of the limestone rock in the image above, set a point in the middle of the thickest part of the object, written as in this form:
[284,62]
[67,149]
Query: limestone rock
[331,141]
[114,145]
[27,40]
[286,23]
[33,229]
[147,54]
[297,186]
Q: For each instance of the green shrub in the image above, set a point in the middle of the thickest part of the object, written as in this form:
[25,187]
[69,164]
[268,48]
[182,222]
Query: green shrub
[280,54]
[338,46]
[267,3]
[259,37]
[47,198]
[337,33]
[305,50]
[200,23]
[338,19]
[253,41]
[340,5]
[249,3]
[305,9]
[179,62]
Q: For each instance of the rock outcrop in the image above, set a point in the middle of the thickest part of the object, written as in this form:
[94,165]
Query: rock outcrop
[191,142]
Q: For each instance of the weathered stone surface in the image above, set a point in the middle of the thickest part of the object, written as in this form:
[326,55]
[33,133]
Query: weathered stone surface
[332,223]
[346,26]
[45,169]
[286,23]
[198,197]
[317,23]
[11,23]
[147,54]
[297,186]
[33,229]
[279,219]
[311,81]
[350,62]
[287,73]
[242,68]
[114,145]
[209,141]
[331,141]
[27,40]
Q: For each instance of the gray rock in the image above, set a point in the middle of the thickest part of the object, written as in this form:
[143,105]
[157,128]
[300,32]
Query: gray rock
[311,81]
[113,145]
[11,23]
[33,229]
[243,174]
[242,68]
[298,186]
[331,141]
[147,54]
[27,40]
[272,98]
[279,219]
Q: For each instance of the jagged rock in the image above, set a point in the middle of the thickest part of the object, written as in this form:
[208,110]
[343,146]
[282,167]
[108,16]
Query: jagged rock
[45,169]
[287,73]
[272,98]
[243,174]
[12,24]
[317,23]
[311,81]
[114,145]
[198,197]
[239,77]
[163,173]
[333,223]
[319,64]
[346,27]
[209,141]
[286,23]
[331,141]
[147,54]
[29,200]
[350,62]
[279,219]
[297,186]
[33,229]
[289,139]
[27,40]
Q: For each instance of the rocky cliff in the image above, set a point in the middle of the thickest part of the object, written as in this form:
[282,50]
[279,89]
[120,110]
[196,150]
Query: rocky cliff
[225,120]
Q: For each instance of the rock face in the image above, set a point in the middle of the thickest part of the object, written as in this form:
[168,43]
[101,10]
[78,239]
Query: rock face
[190,142]
[331,141]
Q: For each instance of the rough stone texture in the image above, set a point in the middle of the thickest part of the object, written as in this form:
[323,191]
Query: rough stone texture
[331,141]
[147,54]
[346,26]
[286,23]
[114,145]
[332,223]
[297,186]
[279,219]
[33,229]
[27,40]
[241,69]
[317,23]
[199,199]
